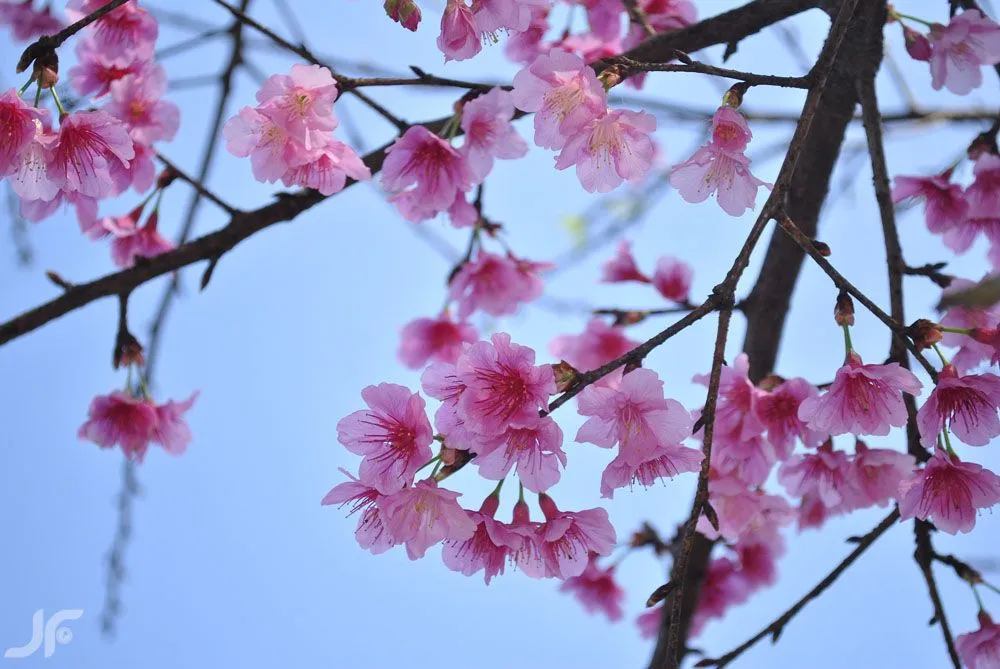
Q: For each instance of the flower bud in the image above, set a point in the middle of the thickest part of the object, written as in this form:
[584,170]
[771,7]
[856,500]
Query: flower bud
[404,12]
[565,374]
[843,313]
[917,44]
[924,333]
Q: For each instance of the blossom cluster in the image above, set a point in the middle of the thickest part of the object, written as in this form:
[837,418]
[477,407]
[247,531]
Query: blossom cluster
[955,52]
[26,22]
[288,134]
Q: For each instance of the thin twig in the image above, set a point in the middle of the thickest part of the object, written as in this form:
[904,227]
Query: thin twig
[197,185]
[634,66]
[49,43]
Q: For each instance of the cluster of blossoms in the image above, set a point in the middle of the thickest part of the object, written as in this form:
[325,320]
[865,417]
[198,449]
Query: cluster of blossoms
[671,279]
[491,399]
[956,52]
[26,22]
[96,153]
[288,135]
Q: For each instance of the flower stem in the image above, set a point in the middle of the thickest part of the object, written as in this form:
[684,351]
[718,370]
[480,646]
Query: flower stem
[899,16]
[964,331]
[38,95]
[847,339]
[496,491]
[25,87]
[944,360]
[947,441]
[520,491]
[979,600]
[55,96]
[991,587]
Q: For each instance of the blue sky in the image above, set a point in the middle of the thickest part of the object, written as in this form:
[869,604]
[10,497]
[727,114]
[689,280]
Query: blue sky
[233,559]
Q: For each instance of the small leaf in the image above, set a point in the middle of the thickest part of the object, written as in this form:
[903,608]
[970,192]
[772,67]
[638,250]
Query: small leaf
[660,594]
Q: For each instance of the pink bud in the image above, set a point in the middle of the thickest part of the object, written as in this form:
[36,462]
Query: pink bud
[916,44]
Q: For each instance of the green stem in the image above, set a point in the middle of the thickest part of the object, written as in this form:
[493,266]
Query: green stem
[429,462]
[979,600]
[55,96]
[38,94]
[944,360]
[947,441]
[964,331]
[25,87]
[899,16]
[847,339]
[991,587]
[159,198]
[496,491]
[520,491]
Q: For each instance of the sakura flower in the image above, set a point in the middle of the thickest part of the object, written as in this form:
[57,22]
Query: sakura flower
[980,649]
[126,32]
[439,339]
[489,133]
[503,386]
[740,508]
[622,267]
[329,170]
[85,208]
[272,152]
[91,154]
[649,621]
[535,450]
[119,418]
[971,351]
[813,513]
[95,72]
[597,590]
[404,12]
[778,411]
[568,538]
[18,123]
[723,588]
[980,219]
[636,416]
[945,204]
[877,473]
[172,431]
[960,49]
[441,382]
[672,279]
[495,16]
[917,44]
[31,178]
[604,18]
[826,473]
[565,94]
[863,399]
[487,549]
[730,130]
[948,492]
[750,459]
[133,242]
[371,533]
[667,461]
[459,38]
[967,405]
[712,169]
[424,515]
[494,284]
[598,344]
[735,415]
[758,554]
[984,192]
[135,100]
[393,434]
[301,103]
[611,148]
[26,22]
[435,171]
[989,338]
[523,47]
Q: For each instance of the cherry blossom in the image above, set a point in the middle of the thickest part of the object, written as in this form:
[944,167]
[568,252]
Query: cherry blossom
[171,430]
[597,590]
[723,588]
[967,405]
[439,339]
[432,171]
[877,473]
[91,154]
[948,492]
[95,72]
[404,12]
[135,100]
[622,267]
[487,549]
[20,124]
[26,22]
[424,515]
[328,171]
[535,449]
[489,133]
[568,538]
[778,412]
[960,49]
[598,344]
[736,416]
[495,284]
[393,434]
[131,241]
[672,279]
[971,352]
[119,418]
[826,473]
[126,32]
[371,533]
[863,399]
[666,461]
[270,149]
[459,38]
[301,103]
[945,204]
[610,149]
[980,649]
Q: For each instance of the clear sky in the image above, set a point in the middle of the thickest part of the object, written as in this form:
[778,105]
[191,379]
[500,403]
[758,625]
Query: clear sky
[233,560]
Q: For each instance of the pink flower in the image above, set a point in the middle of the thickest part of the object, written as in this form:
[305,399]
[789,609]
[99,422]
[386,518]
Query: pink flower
[404,12]
[494,284]
[971,352]
[423,515]
[121,419]
[723,588]
[945,204]
[135,100]
[495,16]
[371,533]
[597,590]
[489,133]
[712,169]
[813,513]
[598,344]
[441,382]
[877,473]
[967,405]
[604,18]
[959,49]
[27,23]
[750,459]
[980,649]
[85,208]
[984,192]
[947,492]
[172,431]
[758,554]
[667,461]
[439,339]
[133,242]
[735,415]
[503,386]
[565,94]
[91,154]
[917,44]
[636,416]
[611,148]
[730,130]
[18,124]
[528,556]
[535,449]
[990,338]
[487,549]
[741,509]
[623,266]
[435,171]
[672,279]
[523,47]
[459,38]
[863,399]
[328,172]
[826,473]
[663,16]
[778,411]
[301,103]
[126,32]
[649,622]
[568,538]
[94,72]
[393,434]
[272,152]
[979,220]
[31,178]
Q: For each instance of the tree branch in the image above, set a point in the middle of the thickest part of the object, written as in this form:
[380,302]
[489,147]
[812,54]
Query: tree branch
[49,43]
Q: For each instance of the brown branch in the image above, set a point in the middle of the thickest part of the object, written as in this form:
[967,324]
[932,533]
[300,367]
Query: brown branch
[777,626]
[634,67]
[49,43]
[637,16]
[201,189]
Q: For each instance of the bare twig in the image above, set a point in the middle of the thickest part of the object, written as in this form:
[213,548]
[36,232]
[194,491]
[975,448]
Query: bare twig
[49,43]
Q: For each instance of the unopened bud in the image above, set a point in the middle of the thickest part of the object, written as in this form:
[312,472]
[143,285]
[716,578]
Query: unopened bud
[917,44]
[613,75]
[128,351]
[630,317]
[46,69]
[166,178]
[924,333]
[565,374]
[843,313]
[823,248]
[404,12]
[734,96]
